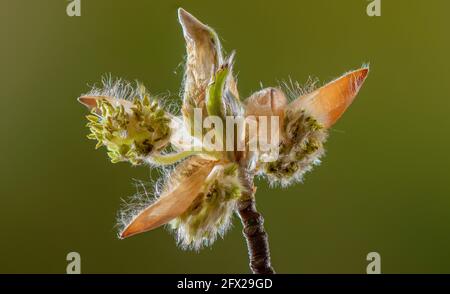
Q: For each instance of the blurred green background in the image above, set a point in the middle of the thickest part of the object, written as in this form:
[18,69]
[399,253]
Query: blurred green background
[383,186]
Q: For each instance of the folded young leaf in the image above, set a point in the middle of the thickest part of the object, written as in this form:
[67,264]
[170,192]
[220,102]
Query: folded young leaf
[204,56]
[204,60]
[267,102]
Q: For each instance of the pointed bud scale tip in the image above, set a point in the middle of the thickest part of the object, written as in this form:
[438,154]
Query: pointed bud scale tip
[192,27]
[328,103]
[91,101]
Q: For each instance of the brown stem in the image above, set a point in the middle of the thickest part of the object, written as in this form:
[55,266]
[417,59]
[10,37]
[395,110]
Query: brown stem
[254,233]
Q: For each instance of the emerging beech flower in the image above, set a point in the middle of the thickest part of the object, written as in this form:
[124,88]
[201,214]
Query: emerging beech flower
[131,130]
[205,186]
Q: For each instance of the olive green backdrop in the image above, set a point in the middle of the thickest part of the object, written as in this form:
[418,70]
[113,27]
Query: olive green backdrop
[383,186]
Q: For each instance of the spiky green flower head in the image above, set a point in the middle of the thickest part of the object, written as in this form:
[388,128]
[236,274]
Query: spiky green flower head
[131,131]
[209,216]
[300,149]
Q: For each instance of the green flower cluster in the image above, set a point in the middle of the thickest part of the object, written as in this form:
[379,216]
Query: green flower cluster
[299,150]
[129,132]
[210,214]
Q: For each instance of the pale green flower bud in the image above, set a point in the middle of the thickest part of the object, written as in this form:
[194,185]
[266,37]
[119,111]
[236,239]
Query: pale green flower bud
[209,216]
[132,132]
